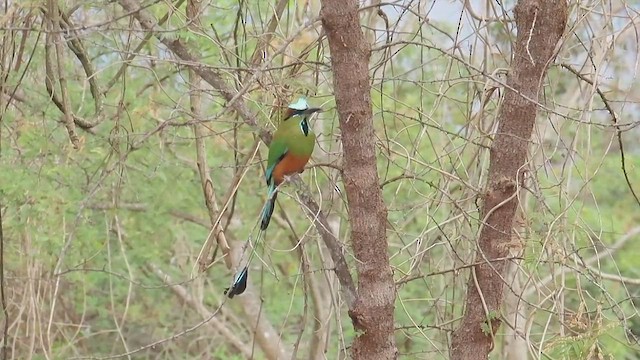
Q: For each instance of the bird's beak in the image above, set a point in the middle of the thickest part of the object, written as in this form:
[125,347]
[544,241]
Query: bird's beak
[311,111]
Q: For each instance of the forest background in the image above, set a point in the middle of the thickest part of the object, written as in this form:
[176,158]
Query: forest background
[115,163]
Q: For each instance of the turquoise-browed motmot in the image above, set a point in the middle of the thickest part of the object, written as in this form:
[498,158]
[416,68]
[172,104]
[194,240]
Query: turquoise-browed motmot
[291,147]
[290,150]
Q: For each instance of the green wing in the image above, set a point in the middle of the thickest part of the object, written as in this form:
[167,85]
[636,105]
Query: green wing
[277,150]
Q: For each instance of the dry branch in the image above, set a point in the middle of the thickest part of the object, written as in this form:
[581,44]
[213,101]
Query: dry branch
[265,334]
[213,322]
[616,124]
[229,94]
[195,98]
[136,51]
[53,48]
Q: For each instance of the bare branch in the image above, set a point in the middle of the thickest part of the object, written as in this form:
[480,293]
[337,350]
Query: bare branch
[217,82]
[54,40]
[213,322]
[268,339]
[616,123]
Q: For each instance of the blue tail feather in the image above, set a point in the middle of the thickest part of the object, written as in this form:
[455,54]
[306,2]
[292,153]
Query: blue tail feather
[268,207]
[239,283]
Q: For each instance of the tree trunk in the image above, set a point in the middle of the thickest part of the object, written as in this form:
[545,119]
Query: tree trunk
[373,310]
[540,25]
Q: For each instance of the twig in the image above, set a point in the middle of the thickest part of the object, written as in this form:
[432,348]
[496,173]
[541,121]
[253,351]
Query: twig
[613,277]
[76,46]
[136,51]
[331,242]
[453,270]
[216,324]
[154,344]
[264,41]
[55,38]
[195,97]
[616,124]
[50,85]
[203,256]
[217,82]
[609,251]
[3,299]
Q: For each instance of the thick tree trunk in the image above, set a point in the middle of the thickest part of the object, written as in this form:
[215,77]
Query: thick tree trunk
[540,25]
[373,311]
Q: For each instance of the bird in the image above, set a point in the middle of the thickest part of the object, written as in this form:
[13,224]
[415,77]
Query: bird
[290,150]
[291,147]
[239,283]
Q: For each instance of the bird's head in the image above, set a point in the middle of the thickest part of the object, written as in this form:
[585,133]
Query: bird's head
[299,108]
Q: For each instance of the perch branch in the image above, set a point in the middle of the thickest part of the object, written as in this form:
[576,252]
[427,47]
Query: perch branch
[234,101]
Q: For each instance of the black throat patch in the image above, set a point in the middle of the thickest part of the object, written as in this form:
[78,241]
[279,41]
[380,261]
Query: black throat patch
[304,126]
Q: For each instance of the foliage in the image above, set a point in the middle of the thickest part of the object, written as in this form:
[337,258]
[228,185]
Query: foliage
[101,240]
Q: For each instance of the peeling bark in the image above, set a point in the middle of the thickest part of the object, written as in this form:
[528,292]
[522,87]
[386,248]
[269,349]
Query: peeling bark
[540,25]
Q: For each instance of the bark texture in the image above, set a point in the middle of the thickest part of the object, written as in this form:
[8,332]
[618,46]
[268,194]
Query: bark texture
[540,25]
[373,310]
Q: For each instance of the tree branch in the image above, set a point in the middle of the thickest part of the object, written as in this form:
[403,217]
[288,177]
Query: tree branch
[213,322]
[266,336]
[616,124]
[217,82]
